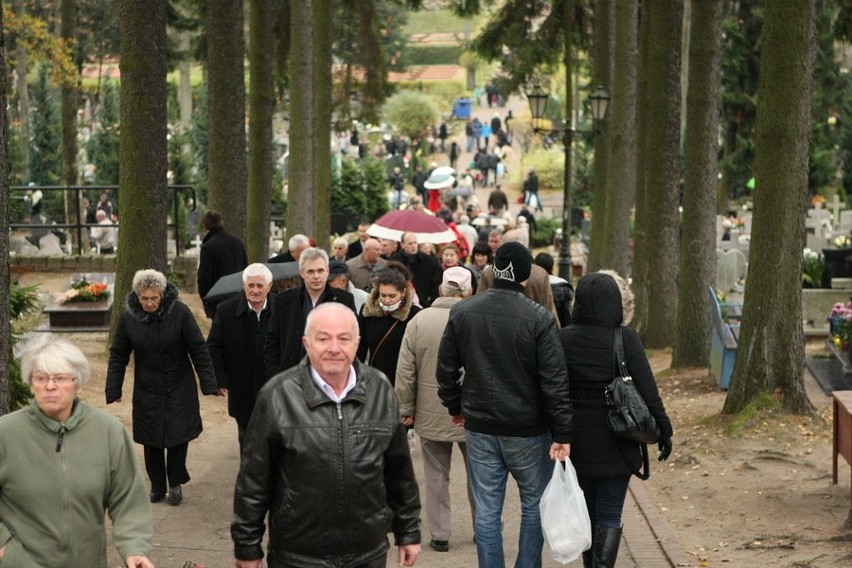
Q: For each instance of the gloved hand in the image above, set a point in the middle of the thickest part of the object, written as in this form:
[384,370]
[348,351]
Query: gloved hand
[665,447]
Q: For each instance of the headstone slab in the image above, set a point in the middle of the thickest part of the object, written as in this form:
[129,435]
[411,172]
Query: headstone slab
[48,245]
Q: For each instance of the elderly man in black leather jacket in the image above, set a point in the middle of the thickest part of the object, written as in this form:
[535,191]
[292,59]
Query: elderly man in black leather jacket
[513,403]
[326,456]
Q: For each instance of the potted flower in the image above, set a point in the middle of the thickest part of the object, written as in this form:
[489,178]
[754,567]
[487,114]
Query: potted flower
[840,323]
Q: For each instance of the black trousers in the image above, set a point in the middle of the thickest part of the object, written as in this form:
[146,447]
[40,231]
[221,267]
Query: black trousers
[163,463]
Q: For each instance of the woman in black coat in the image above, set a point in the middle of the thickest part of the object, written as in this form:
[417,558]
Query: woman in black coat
[164,337]
[604,462]
[383,319]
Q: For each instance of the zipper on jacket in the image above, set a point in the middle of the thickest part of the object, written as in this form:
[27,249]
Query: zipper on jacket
[339,412]
[59,439]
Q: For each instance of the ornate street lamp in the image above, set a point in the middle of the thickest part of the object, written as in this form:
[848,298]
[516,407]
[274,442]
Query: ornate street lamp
[598,104]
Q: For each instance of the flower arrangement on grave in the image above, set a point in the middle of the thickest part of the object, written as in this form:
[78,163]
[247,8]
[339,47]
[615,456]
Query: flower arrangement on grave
[813,266]
[84,291]
[840,324]
[841,242]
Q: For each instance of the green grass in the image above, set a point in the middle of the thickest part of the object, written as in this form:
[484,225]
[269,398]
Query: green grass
[438,21]
[762,405]
[420,54]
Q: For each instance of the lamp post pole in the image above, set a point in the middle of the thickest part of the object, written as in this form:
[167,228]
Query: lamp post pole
[565,264]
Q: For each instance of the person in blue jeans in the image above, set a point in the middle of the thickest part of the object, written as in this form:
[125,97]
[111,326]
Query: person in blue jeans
[513,403]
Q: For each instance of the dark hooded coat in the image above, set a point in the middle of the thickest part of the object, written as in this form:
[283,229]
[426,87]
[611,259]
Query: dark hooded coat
[588,343]
[166,345]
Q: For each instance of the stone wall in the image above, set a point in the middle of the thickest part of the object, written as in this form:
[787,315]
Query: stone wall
[185,268]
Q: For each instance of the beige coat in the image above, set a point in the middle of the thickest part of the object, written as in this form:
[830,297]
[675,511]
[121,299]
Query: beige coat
[416,385]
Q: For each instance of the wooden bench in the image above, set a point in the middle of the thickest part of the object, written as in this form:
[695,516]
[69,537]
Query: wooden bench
[841,438]
[724,337]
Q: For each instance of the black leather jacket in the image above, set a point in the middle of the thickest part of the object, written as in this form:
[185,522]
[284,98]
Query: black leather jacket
[334,478]
[515,381]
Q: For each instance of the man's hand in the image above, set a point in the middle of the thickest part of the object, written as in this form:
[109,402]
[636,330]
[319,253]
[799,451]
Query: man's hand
[408,420]
[560,451]
[138,562]
[408,554]
[221,392]
[2,551]
[457,420]
[249,563]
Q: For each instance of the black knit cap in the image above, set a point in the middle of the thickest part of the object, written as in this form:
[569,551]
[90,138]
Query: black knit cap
[513,262]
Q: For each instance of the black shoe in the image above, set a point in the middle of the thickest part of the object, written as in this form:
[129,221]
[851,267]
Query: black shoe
[156,496]
[439,545]
[175,496]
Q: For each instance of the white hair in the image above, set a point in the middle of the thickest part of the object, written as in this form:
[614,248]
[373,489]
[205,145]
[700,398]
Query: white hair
[340,241]
[50,354]
[257,269]
[310,254]
[298,240]
[149,278]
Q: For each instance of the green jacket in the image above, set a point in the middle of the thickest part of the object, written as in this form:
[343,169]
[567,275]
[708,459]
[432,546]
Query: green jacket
[56,481]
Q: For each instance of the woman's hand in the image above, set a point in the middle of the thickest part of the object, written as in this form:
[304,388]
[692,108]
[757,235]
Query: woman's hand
[560,451]
[138,562]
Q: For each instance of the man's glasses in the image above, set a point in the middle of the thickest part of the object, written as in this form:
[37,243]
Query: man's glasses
[58,380]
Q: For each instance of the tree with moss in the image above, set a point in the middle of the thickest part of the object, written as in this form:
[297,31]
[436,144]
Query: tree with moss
[143,150]
[771,344]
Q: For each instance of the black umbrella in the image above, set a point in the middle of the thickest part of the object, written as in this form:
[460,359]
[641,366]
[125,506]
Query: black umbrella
[233,283]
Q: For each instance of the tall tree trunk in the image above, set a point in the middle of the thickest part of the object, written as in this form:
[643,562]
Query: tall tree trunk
[227,104]
[261,106]
[142,147]
[663,169]
[601,75]
[309,196]
[697,249]
[621,180]
[770,354]
[5,328]
[640,231]
[374,85]
[21,68]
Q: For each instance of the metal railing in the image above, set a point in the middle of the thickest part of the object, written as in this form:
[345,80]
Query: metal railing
[79,213]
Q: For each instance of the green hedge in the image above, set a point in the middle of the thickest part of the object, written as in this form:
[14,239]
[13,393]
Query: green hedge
[425,54]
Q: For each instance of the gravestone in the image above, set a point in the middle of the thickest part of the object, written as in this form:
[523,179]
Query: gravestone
[20,245]
[48,245]
[731,268]
[82,316]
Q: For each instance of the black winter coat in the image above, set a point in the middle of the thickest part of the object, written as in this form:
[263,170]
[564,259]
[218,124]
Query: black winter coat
[221,254]
[283,345]
[165,397]
[236,343]
[588,343]
[426,275]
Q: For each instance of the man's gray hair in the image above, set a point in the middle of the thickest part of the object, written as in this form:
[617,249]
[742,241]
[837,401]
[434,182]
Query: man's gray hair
[312,253]
[149,278]
[340,241]
[53,355]
[298,240]
[257,269]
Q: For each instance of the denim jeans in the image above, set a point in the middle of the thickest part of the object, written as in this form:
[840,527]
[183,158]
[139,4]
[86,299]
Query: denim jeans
[605,499]
[492,459]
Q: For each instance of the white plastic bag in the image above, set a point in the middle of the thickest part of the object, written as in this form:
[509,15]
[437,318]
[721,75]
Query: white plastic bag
[564,516]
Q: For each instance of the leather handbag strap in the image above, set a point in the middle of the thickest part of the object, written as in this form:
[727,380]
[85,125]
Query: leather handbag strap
[382,342]
[620,361]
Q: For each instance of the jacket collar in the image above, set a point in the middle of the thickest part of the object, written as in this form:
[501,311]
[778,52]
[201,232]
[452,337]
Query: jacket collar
[77,413]
[170,299]
[315,397]
[373,310]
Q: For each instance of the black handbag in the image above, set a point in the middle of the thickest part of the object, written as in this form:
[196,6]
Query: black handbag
[628,416]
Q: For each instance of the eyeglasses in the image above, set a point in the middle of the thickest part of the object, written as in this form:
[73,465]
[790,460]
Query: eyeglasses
[150,300]
[58,380]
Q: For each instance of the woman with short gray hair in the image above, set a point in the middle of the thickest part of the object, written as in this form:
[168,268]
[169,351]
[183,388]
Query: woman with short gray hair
[164,338]
[85,466]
